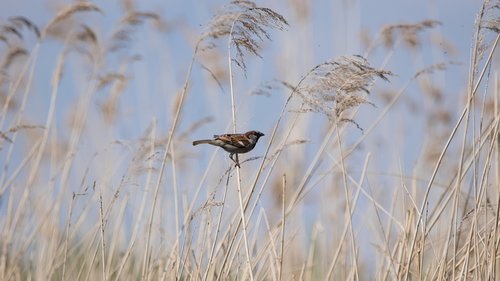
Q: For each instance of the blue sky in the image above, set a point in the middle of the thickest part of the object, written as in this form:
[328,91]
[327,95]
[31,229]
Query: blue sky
[334,30]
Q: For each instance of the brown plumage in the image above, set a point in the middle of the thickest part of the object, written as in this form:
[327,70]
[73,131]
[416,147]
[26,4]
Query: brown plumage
[234,143]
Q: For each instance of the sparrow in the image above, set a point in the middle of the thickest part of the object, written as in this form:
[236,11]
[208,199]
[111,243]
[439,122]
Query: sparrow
[234,143]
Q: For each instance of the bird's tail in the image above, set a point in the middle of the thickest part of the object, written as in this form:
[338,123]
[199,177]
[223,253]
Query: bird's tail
[201,141]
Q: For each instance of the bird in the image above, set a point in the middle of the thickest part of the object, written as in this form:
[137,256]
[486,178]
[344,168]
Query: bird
[234,143]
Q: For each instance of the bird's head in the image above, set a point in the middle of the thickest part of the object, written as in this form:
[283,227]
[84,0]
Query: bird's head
[256,134]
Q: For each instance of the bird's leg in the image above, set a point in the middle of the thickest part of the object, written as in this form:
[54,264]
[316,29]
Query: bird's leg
[237,163]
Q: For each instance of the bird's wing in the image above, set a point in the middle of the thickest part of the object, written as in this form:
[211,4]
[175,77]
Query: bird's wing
[236,140]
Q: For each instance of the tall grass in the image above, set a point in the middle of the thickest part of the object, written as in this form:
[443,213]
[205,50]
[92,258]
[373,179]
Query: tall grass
[357,177]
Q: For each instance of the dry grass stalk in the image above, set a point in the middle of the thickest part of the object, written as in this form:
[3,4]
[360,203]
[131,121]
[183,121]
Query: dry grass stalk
[13,54]
[109,78]
[485,21]
[337,86]
[247,24]
[408,32]
[122,37]
[15,129]
[473,87]
[216,75]
[68,12]
[5,137]
[20,22]
[270,87]
[7,29]
[87,35]
[110,106]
